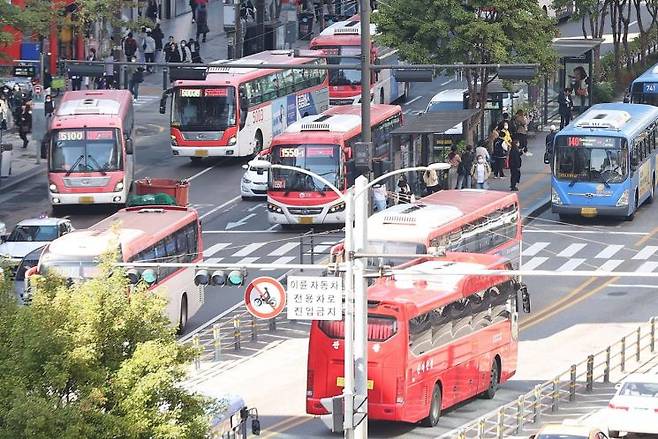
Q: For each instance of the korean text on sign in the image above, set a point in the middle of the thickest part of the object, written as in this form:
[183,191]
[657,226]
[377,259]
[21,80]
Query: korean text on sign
[315,298]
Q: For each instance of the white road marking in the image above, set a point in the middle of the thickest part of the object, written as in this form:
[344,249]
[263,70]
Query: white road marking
[200,173]
[281,260]
[652,287]
[447,82]
[412,101]
[319,248]
[257,206]
[571,250]
[534,262]
[246,251]
[610,265]
[249,260]
[535,248]
[213,260]
[273,227]
[285,248]
[221,206]
[571,264]
[240,222]
[215,248]
[647,267]
[646,252]
[583,232]
[609,251]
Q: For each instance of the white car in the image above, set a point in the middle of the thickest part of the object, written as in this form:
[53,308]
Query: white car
[3,230]
[634,408]
[29,235]
[254,182]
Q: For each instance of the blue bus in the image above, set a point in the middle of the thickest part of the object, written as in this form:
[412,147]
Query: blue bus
[644,90]
[604,162]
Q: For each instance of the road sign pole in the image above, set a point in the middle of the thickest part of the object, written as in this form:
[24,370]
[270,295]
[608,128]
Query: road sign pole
[348,389]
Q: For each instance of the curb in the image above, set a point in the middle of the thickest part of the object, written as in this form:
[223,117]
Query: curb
[15,181]
[537,208]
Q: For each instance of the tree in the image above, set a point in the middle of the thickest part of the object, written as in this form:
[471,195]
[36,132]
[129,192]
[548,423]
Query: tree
[89,360]
[480,32]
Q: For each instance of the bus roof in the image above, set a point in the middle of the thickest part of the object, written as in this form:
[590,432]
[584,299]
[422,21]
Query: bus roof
[342,33]
[415,222]
[613,119]
[436,290]
[92,108]
[341,121]
[137,227]
[651,75]
[228,74]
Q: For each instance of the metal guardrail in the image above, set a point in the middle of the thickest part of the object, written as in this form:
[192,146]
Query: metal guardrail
[512,417]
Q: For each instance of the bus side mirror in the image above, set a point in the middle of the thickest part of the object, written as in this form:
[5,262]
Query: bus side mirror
[525,297]
[129,146]
[627,99]
[255,427]
[634,162]
[163,101]
[243,117]
[351,172]
[3,124]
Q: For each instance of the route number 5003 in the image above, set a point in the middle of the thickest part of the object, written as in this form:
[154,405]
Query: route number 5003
[258,115]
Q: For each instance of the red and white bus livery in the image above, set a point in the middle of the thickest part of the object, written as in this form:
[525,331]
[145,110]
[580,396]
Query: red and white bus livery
[90,148]
[323,145]
[236,111]
[436,337]
[142,234]
[343,41]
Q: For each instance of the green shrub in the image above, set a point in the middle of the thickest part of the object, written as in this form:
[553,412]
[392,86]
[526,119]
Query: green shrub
[603,92]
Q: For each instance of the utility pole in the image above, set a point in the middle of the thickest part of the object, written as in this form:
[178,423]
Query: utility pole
[260,24]
[237,44]
[348,384]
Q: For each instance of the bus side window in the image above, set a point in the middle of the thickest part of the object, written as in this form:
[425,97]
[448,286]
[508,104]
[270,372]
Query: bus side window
[287,82]
[181,246]
[192,241]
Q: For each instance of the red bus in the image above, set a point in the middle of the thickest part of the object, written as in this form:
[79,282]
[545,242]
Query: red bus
[343,40]
[236,111]
[145,234]
[90,148]
[431,343]
[322,144]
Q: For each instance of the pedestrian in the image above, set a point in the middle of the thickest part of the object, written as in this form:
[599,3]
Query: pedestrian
[49,106]
[193,6]
[404,194]
[548,153]
[565,107]
[136,77]
[129,47]
[158,37]
[515,166]
[500,149]
[202,22]
[480,172]
[464,168]
[453,159]
[504,131]
[152,11]
[580,85]
[431,181]
[109,71]
[47,81]
[91,57]
[379,194]
[521,123]
[169,48]
[195,50]
[149,51]
[483,151]
[24,123]
[185,52]
[175,55]
[4,112]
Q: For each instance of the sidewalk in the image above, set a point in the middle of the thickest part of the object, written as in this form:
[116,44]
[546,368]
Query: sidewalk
[23,162]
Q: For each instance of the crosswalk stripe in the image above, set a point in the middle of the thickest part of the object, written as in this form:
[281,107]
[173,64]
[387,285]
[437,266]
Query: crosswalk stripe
[571,264]
[647,267]
[213,260]
[646,252]
[571,250]
[609,251]
[249,260]
[246,251]
[285,248]
[534,262]
[319,248]
[281,260]
[610,265]
[535,248]
[215,248]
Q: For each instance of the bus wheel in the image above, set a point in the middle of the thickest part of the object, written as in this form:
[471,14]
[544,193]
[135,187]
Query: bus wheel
[631,215]
[494,380]
[653,186]
[435,408]
[196,160]
[182,319]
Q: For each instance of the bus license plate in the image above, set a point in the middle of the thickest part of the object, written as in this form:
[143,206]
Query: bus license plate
[588,211]
[201,152]
[340,382]
[306,220]
[86,200]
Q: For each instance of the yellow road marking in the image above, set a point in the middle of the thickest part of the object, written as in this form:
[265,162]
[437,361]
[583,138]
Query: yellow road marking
[285,425]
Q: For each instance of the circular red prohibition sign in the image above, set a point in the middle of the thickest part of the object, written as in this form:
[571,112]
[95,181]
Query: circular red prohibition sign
[265,297]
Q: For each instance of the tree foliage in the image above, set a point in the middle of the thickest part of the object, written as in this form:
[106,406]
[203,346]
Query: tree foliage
[479,32]
[89,360]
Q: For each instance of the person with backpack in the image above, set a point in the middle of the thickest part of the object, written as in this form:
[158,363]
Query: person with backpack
[431,181]
[515,166]
[499,155]
[480,172]
[129,46]
[136,77]
[521,124]
[464,169]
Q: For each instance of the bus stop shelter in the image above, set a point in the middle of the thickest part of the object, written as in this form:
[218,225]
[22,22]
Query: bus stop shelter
[427,138]
[499,100]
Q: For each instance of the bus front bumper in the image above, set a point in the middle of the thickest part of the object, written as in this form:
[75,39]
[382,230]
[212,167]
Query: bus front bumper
[590,211]
[204,151]
[277,214]
[58,199]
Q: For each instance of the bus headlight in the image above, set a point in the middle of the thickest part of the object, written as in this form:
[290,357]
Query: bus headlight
[173,141]
[232,141]
[53,187]
[274,208]
[118,187]
[555,198]
[623,199]
[337,208]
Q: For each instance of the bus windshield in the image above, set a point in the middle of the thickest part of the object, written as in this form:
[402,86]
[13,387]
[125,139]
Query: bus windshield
[69,267]
[591,159]
[204,109]
[323,160]
[343,77]
[645,93]
[85,150]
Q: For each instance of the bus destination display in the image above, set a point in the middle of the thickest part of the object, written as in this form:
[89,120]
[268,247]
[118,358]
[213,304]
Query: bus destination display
[592,142]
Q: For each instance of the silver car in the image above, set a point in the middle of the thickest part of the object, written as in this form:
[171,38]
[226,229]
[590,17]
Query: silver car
[29,235]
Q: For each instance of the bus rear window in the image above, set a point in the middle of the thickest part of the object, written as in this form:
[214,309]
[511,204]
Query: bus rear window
[379,328]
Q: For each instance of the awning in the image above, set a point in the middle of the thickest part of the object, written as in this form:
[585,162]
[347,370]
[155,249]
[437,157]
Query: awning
[435,122]
[575,47]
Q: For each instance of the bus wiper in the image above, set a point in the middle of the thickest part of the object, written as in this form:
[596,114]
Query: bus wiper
[574,181]
[98,166]
[76,163]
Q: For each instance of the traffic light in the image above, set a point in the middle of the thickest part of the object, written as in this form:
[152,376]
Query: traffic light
[336,408]
[148,275]
[220,278]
